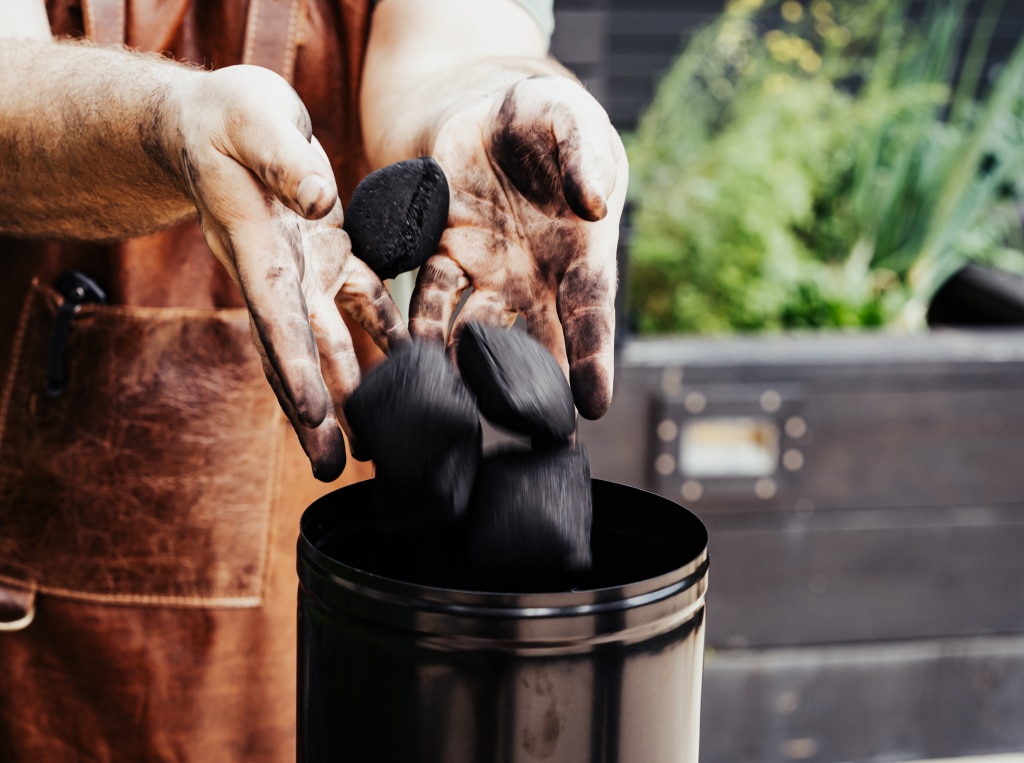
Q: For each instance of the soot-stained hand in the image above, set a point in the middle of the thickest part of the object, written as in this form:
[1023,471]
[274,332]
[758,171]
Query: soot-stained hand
[538,180]
[269,210]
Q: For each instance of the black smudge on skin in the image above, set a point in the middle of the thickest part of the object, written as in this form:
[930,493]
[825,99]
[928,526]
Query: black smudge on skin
[586,306]
[584,288]
[191,178]
[430,309]
[323,445]
[304,123]
[151,133]
[526,153]
[593,388]
[577,202]
[307,414]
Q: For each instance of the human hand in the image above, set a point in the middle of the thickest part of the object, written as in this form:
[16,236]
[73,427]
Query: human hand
[538,180]
[269,210]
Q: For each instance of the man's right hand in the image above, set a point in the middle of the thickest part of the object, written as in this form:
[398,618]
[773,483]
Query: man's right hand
[101,144]
[269,210]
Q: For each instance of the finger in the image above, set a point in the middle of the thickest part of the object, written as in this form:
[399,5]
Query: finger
[351,284]
[338,362]
[364,297]
[270,281]
[555,143]
[544,325]
[586,305]
[261,244]
[328,254]
[587,149]
[480,307]
[586,308]
[323,444]
[439,286]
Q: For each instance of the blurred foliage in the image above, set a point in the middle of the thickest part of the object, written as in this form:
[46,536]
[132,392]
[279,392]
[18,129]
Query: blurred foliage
[823,165]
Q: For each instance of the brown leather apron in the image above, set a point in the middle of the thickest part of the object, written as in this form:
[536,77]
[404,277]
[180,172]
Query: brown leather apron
[148,513]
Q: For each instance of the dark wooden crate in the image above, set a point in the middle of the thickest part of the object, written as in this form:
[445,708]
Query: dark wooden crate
[895,550]
[864,702]
[910,491]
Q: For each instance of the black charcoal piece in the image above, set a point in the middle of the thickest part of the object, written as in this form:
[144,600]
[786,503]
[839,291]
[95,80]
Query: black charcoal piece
[397,214]
[978,295]
[532,511]
[416,420]
[517,382]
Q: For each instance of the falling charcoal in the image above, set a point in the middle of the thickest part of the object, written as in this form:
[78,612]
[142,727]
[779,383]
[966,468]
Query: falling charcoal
[532,511]
[518,384]
[415,418]
[397,215]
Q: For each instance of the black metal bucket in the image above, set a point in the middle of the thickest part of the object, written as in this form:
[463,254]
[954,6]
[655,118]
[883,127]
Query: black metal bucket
[405,657]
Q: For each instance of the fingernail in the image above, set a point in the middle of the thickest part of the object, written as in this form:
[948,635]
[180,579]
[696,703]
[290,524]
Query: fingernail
[310,193]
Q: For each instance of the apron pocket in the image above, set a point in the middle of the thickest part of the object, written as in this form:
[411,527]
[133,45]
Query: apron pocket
[150,478]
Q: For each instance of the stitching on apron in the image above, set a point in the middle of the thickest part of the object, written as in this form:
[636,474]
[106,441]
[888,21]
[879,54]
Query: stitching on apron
[12,371]
[232,602]
[292,49]
[256,38]
[250,31]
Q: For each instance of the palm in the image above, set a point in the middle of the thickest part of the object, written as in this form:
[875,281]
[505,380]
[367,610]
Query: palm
[538,183]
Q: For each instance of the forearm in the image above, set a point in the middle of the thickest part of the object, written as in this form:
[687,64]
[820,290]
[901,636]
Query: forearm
[85,141]
[426,58]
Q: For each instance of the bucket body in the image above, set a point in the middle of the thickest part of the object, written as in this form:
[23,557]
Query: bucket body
[451,667]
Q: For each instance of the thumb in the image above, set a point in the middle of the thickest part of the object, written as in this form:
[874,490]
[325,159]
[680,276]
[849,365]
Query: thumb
[587,148]
[552,139]
[276,142]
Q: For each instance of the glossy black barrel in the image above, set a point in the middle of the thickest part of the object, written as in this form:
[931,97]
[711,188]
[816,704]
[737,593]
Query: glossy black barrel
[407,655]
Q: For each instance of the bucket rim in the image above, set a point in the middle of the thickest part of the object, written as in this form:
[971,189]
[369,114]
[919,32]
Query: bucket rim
[583,601]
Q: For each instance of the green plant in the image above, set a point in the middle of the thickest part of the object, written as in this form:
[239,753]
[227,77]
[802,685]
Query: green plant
[828,170]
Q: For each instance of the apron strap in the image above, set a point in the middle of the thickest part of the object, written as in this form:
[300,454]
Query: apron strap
[104,21]
[271,30]
[272,35]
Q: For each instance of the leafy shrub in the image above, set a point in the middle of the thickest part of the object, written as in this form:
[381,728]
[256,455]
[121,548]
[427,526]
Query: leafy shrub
[829,169]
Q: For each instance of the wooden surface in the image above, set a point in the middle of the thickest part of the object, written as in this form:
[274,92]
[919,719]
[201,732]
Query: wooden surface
[895,701]
[881,586]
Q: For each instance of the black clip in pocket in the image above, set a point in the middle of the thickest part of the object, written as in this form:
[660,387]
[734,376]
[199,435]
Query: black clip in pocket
[77,290]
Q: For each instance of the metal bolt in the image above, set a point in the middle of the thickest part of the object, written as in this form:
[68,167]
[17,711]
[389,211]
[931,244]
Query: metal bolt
[665,464]
[695,402]
[692,491]
[793,460]
[765,488]
[771,401]
[796,427]
[667,430]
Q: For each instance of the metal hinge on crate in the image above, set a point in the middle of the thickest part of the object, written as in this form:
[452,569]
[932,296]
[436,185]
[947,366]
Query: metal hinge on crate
[728,443]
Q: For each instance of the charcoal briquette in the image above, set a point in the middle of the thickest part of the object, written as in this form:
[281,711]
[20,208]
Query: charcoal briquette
[518,384]
[416,420]
[532,510]
[397,214]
